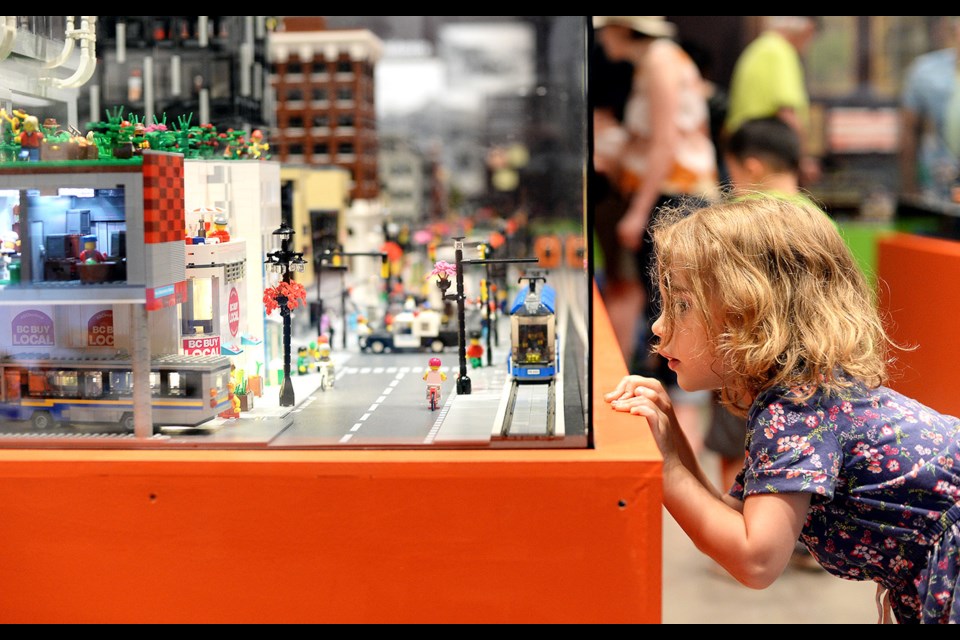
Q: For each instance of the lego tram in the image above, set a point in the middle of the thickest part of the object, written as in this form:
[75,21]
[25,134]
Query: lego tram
[185,390]
[534,351]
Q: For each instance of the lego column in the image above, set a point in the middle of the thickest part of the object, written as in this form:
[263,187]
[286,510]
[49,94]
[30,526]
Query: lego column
[142,410]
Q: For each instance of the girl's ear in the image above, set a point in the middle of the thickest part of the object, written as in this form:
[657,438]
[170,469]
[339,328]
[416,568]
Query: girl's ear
[755,168]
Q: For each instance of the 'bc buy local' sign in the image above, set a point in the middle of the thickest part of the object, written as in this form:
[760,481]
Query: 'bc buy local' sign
[32,328]
[100,329]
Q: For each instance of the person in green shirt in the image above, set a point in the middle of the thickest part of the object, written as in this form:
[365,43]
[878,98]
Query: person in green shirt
[768,80]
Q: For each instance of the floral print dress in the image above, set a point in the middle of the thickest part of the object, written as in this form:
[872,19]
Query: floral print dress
[884,474]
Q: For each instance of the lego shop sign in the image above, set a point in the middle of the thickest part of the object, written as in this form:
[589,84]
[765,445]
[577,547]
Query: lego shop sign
[202,346]
[100,329]
[233,311]
[33,328]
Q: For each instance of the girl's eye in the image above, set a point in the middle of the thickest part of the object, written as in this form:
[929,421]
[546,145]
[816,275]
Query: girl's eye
[681,305]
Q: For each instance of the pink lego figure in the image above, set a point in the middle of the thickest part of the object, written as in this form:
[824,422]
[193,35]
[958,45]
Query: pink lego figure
[434,377]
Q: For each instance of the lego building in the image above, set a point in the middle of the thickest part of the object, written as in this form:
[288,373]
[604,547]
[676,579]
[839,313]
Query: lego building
[323,82]
[210,68]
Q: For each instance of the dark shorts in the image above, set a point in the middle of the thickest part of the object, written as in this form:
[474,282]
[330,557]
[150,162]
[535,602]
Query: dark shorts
[726,433]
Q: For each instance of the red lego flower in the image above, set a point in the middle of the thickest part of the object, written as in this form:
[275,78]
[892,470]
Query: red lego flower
[293,291]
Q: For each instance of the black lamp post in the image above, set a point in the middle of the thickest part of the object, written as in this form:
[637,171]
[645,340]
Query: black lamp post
[321,264]
[285,262]
[486,262]
[343,293]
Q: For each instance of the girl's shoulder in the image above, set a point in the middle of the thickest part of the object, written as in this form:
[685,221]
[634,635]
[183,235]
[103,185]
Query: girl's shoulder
[810,397]
[857,399]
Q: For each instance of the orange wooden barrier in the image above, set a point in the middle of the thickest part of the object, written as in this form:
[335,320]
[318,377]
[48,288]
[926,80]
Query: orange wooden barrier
[917,280]
[392,536]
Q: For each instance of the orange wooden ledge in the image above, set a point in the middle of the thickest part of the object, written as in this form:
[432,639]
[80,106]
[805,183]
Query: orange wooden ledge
[327,536]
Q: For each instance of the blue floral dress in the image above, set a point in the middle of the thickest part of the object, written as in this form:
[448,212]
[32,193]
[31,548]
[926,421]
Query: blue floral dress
[884,474]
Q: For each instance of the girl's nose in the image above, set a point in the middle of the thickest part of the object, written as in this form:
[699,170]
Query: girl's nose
[657,327]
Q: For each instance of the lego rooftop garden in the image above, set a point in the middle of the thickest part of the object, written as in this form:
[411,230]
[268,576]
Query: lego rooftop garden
[121,138]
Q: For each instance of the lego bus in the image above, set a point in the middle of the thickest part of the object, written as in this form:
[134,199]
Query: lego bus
[185,390]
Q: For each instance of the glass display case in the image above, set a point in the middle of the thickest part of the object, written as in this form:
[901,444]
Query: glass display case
[153,297]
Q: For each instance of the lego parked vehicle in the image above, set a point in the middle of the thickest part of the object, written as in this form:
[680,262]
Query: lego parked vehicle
[409,331]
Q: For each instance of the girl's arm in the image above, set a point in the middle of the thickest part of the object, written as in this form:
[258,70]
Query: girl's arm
[634,390]
[753,544]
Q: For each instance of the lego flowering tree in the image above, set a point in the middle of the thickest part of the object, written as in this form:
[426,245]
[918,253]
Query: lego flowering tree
[284,296]
[443,270]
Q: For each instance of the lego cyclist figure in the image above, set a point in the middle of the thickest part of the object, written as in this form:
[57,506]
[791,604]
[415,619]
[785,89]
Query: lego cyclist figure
[325,362]
[434,378]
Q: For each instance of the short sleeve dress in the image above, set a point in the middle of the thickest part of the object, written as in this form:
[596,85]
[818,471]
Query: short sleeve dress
[884,474]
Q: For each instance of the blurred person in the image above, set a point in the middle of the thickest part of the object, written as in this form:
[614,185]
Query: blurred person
[768,80]
[663,151]
[617,279]
[928,165]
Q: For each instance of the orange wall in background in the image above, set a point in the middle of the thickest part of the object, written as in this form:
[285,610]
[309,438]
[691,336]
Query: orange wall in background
[349,536]
[918,282]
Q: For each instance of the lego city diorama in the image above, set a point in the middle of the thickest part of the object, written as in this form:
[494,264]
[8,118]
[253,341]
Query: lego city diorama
[173,283]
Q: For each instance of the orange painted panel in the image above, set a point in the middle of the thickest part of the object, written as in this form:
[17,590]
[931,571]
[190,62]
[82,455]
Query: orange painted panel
[494,536]
[917,278]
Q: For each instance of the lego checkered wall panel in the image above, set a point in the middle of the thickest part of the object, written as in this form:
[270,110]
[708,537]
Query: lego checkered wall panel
[163,208]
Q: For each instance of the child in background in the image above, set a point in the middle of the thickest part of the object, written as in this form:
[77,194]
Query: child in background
[762,156]
[763,300]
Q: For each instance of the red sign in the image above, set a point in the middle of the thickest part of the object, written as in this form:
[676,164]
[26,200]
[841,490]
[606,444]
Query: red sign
[100,329]
[202,346]
[233,311]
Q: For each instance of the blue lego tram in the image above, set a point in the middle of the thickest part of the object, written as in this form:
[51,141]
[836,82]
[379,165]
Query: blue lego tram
[534,351]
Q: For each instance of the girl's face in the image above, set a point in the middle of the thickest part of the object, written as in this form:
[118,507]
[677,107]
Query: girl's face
[689,352]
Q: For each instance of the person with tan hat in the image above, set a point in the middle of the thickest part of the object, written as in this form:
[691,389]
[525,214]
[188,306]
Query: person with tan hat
[663,152]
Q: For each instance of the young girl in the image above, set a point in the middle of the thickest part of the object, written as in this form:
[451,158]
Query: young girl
[763,301]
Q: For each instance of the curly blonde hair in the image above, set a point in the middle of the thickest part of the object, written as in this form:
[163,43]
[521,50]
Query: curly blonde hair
[779,293]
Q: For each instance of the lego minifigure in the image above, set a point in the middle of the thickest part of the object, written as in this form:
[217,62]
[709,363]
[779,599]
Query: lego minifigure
[475,351]
[303,360]
[363,331]
[234,411]
[30,139]
[220,228]
[256,148]
[90,254]
[434,377]
[325,365]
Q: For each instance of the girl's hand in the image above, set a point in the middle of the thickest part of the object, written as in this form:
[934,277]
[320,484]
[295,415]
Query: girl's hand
[646,397]
[630,229]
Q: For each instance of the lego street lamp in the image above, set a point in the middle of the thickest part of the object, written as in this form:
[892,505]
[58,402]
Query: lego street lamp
[484,295]
[464,385]
[319,267]
[285,262]
[336,255]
